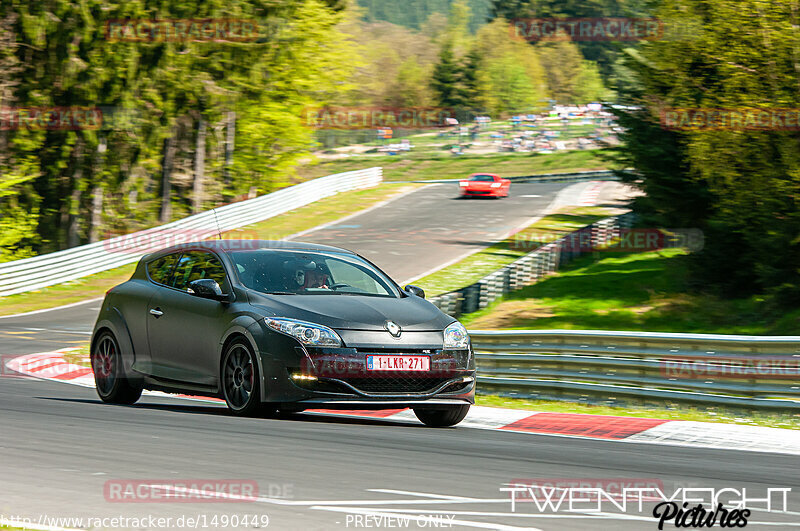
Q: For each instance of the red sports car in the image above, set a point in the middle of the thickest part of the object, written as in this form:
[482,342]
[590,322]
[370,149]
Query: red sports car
[485,185]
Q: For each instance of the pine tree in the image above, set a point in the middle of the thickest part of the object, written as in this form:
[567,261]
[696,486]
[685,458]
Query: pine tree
[446,79]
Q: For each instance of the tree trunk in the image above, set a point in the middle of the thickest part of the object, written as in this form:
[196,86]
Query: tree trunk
[97,211]
[199,167]
[73,219]
[230,131]
[166,184]
[73,238]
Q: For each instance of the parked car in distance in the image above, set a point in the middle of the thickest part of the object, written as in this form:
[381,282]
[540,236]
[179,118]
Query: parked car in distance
[280,326]
[485,185]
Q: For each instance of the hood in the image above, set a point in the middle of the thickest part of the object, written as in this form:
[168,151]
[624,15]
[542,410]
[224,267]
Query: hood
[354,312]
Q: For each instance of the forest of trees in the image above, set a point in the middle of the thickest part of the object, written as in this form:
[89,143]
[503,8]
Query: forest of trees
[740,186]
[188,124]
[174,112]
[445,64]
[191,123]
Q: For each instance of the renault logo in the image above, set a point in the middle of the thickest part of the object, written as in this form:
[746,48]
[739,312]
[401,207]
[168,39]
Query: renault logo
[393,328]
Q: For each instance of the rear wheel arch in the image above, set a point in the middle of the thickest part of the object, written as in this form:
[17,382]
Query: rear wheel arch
[112,382]
[96,335]
[114,322]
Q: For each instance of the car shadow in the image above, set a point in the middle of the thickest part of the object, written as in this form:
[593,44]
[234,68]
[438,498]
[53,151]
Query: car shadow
[223,411]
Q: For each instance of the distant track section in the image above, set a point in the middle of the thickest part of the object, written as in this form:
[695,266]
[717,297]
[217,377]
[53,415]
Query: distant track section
[62,266]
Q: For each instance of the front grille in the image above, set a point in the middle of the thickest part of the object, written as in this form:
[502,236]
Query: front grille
[395,384]
[342,371]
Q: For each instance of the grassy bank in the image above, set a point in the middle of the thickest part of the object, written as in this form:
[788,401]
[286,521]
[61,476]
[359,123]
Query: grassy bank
[422,166]
[641,291]
[318,213]
[490,259]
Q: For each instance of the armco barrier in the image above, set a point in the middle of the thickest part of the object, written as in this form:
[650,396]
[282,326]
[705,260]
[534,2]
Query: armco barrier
[603,366]
[527,270]
[62,266]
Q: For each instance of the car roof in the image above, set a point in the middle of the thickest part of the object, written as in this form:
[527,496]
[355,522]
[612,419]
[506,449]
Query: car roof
[226,246]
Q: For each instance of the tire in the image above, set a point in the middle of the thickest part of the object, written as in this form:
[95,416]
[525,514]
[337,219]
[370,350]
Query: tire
[112,385]
[240,381]
[442,418]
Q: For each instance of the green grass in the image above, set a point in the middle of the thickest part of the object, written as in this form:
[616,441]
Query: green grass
[641,291]
[478,265]
[672,412]
[424,166]
[80,356]
[310,216]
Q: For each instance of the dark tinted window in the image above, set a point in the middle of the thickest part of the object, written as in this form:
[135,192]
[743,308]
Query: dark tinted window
[482,178]
[160,268]
[195,265]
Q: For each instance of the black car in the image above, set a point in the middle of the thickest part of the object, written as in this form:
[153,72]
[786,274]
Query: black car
[280,326]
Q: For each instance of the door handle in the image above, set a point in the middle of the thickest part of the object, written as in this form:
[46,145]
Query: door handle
[157,312]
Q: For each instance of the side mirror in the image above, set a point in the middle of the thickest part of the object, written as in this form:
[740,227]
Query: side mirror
[414,290]
[207,288]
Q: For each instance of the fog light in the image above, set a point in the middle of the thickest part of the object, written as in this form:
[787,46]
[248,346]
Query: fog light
[467,379]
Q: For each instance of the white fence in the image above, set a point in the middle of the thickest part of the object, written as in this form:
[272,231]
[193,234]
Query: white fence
[62,266]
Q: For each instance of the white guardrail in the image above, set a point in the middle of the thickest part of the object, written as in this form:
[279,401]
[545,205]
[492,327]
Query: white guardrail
[62,266]
[651,367]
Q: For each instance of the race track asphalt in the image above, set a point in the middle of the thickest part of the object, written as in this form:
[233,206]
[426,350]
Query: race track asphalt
[59,446]
[420,231]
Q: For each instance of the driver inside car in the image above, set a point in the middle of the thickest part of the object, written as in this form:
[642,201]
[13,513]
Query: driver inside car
[316,279]
[305,275]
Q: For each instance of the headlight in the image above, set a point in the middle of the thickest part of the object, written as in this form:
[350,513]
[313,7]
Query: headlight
[496,185]
[310,334]
[456,336]
[463,183]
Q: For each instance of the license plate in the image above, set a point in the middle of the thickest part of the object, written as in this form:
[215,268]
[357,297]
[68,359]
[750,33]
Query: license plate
[398,363]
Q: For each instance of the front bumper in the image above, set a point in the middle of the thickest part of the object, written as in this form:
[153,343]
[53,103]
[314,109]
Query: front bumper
[494,192]
[337,378]
[338,404]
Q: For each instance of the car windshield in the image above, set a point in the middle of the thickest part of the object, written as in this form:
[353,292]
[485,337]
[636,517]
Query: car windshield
[288,272]
[482,178]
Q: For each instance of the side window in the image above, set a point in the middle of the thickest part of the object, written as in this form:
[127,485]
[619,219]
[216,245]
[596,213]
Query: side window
[195,265]
[160,268]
